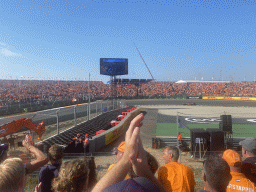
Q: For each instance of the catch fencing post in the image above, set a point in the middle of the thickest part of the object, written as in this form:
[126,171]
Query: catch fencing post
[57,116]
[177,119]
[75,115]
[87,113]
[101,107]
[200,155]
[96,108]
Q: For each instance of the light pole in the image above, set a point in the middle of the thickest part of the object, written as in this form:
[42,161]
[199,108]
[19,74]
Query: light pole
[89,105]
[21,77]
[19,91]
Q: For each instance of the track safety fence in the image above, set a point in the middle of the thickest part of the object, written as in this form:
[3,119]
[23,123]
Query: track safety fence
[62,118]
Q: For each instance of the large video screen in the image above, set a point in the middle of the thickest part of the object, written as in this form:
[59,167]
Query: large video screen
[113,66]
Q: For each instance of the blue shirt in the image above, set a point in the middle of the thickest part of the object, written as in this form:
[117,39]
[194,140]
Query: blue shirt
[138,184]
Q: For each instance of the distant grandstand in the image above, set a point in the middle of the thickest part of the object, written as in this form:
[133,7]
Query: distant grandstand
[131,81]
[197,81]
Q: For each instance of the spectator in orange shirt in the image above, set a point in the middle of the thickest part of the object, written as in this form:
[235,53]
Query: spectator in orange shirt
[86,142]
[152,162]
[239,182]
[174,176]
[77,139]
[216,175]
[119,155]
[180,138]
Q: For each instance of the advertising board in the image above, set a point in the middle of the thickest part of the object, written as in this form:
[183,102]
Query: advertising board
[230,98]
[194,97]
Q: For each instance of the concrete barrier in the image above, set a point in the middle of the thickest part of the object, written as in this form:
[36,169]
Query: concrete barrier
[230,98]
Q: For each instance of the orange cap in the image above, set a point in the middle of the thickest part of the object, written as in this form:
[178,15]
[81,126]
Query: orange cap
[232,158]
[121,147]
[86,135]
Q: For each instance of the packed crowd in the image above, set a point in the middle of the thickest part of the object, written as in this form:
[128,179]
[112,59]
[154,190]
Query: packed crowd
[15,90]
[133,171]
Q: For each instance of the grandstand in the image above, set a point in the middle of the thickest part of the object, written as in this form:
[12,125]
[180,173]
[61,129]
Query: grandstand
[44,93]
[196,81]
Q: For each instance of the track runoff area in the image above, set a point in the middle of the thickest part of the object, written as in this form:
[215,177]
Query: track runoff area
[167,126]
[201,116]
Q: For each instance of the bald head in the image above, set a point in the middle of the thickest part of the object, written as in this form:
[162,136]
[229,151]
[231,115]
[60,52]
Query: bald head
[171,154]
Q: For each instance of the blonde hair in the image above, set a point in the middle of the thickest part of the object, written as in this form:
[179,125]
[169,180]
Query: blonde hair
[12,174]
[74,176]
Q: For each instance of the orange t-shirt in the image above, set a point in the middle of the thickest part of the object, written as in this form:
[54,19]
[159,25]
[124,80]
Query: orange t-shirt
[112,165]
[240,183]
[176,177]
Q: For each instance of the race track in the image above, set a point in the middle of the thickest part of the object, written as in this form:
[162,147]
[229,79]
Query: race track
[224,103]
[152,118]
[163,113]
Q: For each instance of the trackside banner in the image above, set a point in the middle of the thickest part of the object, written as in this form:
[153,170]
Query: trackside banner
[194,97]
[230,98]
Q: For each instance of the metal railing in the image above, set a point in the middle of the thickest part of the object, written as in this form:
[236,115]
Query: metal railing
[62,118]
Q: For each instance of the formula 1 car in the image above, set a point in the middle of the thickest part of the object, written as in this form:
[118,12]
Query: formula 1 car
[189,104]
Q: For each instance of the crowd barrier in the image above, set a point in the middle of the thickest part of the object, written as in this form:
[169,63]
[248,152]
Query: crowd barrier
[107,137]
[230,98]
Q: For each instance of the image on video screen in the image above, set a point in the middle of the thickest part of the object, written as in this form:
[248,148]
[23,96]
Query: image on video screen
[113,66]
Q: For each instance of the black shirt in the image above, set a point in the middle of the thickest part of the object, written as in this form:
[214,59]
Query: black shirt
[47,174]
[249,168]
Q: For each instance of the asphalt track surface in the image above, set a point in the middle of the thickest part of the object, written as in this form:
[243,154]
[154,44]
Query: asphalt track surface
[195,120]
[224,103]
[148,130]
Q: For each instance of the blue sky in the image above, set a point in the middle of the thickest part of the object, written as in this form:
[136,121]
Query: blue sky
[178,39]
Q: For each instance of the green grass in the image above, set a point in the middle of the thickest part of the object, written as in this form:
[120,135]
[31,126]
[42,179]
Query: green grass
[170,129]
[166,129]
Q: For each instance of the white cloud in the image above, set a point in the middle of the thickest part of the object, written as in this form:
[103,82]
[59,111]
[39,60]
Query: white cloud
[2,44]
[8,53]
